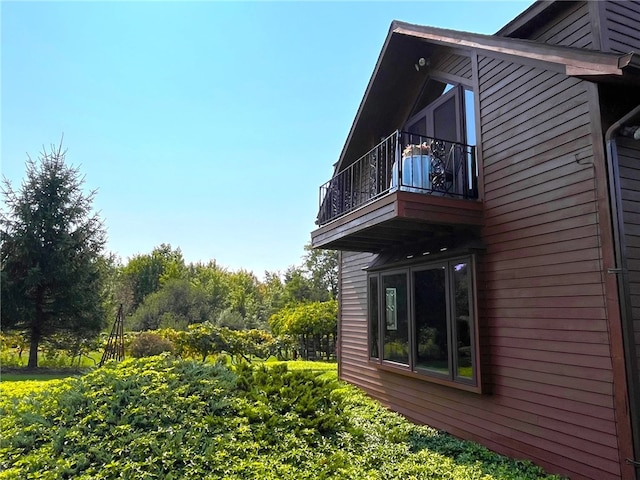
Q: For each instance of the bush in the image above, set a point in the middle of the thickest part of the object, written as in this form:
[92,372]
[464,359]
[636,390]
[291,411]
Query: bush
[163,418]
[231,319]
[316,318]
[148,344]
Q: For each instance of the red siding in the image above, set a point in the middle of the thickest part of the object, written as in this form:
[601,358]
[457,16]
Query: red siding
[542,267]
[544,337]
[544,332]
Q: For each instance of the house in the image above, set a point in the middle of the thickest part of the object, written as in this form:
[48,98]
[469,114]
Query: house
[486,205]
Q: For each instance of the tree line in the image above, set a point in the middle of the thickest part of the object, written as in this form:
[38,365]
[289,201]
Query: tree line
[58,284]
[159,290]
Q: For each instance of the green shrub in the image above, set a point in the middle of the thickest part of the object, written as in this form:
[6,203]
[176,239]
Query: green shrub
[320,318]
[9,358]
[148,344]
[163,418]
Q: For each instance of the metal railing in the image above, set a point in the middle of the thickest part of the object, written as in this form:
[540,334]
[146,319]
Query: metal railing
[402,161]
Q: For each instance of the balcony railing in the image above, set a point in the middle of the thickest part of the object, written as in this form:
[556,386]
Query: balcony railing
[402,161]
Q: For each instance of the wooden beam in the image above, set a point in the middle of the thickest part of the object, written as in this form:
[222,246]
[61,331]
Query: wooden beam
[574,60]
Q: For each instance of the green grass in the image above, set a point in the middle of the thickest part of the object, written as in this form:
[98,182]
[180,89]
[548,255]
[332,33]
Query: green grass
[8,358]
[29,375]
[170,419]
[306,365]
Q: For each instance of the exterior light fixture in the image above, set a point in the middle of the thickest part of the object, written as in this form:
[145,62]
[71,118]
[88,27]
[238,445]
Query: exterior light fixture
[421,63]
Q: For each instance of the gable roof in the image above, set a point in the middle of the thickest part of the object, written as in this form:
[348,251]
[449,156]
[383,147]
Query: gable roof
[395,83]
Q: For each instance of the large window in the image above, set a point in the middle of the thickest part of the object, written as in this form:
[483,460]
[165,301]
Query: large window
[421,320]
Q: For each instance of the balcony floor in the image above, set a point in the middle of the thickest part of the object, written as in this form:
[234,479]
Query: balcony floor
[398,219]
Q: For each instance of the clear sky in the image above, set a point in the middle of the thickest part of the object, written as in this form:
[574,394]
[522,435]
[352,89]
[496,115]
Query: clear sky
[205,125]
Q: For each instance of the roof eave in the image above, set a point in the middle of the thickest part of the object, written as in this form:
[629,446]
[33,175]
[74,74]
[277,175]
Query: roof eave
[590,65]
[364,97]
[574,59]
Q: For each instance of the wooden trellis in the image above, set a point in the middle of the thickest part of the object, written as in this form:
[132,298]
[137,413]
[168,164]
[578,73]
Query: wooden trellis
[115,345]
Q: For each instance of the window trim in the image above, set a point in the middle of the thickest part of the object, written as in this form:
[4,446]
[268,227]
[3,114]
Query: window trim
[452,379]
[465,110]
[426,114]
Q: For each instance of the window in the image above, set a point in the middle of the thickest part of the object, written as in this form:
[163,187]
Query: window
[443,118]
[450,117]
[395,336]
[422,320]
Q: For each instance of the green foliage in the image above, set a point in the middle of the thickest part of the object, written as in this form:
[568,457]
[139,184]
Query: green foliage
[231,319]
[298,288]
[195,294]
[19,388]
[243,289]
[12,348]
[160,291]
[318,318]
[51,278]
[322,267]
[177,339]
[248,344]
[213,280]
[57,351]
[148,344]
[115,290]
[202,339]
[315,281]
[145,274]
[177,304]
[127,420]
[161,418]
[73,347]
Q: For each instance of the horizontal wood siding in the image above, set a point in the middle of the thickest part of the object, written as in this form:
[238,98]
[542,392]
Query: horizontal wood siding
[622,25]
[353,316]
[455,65]
[544,306]
[629,163]
[543,328]
[570,27]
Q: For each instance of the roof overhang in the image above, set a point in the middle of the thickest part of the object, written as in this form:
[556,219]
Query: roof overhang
[395,84]
[565,59]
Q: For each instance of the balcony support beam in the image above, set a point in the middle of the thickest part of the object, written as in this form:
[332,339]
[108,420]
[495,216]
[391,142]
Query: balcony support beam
[396,219]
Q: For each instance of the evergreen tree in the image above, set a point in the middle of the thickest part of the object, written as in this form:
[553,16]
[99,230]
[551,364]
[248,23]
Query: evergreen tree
[51,280]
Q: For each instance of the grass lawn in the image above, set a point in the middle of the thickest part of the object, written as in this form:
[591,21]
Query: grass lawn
[31,376]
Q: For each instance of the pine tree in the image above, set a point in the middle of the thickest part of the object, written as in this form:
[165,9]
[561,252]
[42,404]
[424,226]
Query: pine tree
[51,280]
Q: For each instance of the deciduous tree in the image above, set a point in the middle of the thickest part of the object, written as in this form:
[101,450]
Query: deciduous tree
[145,274]
[177,304]
[322,266]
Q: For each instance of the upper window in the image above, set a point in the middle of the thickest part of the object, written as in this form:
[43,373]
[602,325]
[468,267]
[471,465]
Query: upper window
[422,320]
[450,117]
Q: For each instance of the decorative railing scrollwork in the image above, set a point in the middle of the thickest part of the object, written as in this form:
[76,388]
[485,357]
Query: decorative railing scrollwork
[402,161]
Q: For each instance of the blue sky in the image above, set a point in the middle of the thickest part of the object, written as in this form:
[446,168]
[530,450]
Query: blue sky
[205,125]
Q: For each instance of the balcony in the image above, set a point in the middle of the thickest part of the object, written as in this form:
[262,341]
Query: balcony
[408,188]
